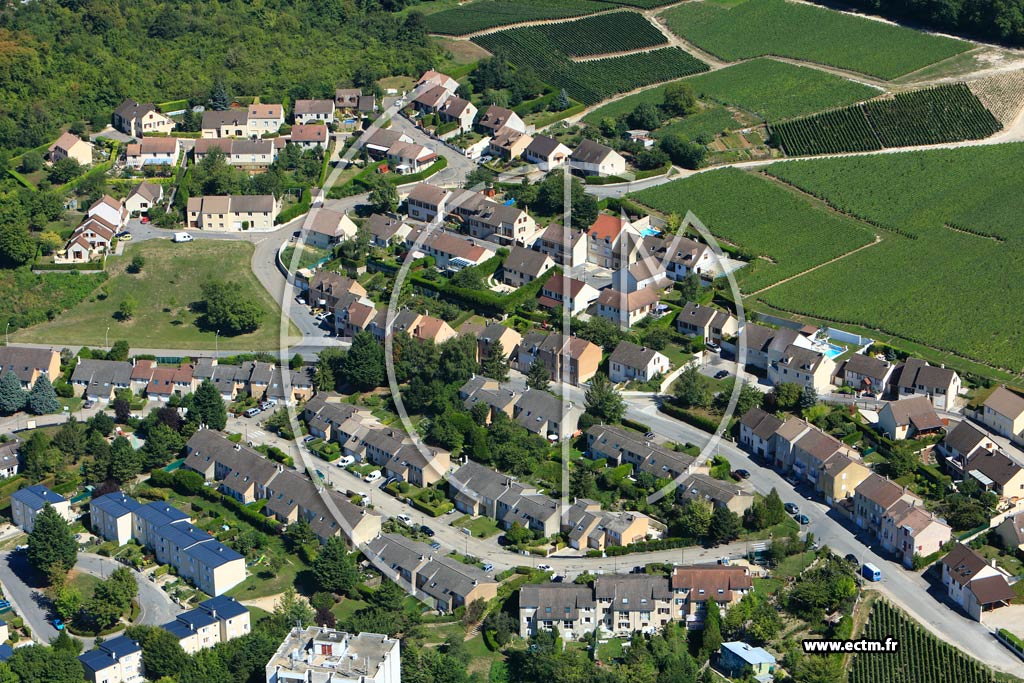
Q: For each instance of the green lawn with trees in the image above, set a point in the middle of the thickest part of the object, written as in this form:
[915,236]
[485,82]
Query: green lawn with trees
[180,299]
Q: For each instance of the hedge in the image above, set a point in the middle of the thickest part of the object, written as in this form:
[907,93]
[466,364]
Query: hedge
[173,105]
[651,172]
[446,128]
[433,511]
[643,547]
[604,179]
[684,415]
[296,209]
[91,265]
[22,179]
[542,121]
[638,426]
[435,167]
[486,302]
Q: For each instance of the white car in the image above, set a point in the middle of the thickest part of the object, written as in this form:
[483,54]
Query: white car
[372,476]
[404,519]
[345,460]
[544,567]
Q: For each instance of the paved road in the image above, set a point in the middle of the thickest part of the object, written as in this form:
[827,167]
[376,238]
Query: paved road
[24,591]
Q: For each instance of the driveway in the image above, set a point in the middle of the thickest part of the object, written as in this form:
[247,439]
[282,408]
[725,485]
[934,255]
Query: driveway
[23,588]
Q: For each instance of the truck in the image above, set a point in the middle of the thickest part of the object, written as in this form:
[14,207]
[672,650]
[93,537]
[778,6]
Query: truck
[871,572]
[182,237]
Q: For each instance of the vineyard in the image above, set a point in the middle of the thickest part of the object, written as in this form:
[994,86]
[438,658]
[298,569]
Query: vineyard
[615,32]
[936,288]
[761,218]
[1003,94]
[755,28]
[485,14]
[947,113]
[921,658]
[589,82]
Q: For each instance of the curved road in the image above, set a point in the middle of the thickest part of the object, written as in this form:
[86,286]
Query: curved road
[24,590]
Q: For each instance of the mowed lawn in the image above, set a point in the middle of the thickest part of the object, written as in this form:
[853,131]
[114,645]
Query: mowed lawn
[754,28]
[165,293]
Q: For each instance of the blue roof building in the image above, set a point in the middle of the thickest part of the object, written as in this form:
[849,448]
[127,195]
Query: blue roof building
[736,659]
[118,660]
[214,621]
[111,516]
[28,502]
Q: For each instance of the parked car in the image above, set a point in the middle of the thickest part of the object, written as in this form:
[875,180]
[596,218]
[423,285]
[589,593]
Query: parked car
[182,237]
[424,529]
[88,404]
[372,476]
[58,624]
[308,439]
[792,508]
[851,558]
[252,412]
[404,519]
[124,236]
[346,460]
[321,316]
[544,567]
[266,405]
[721,374]
[712,346]
[488,567]
[435,545]
[557,578]
[742,474]
[803,519]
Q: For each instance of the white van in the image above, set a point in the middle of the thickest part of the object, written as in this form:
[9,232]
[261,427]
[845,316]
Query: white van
[182,237]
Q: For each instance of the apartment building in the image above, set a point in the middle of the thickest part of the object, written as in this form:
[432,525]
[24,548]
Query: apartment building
[214,621]
[233,213]
[27,503]
[118,660]
[321,655]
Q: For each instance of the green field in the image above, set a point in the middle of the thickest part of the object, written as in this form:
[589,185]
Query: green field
[614,32]
[948,284]
[947,113]
[755,28]
[776,90]
[485,14]
[762,218]
[707,123]
[164,292]
[28,299]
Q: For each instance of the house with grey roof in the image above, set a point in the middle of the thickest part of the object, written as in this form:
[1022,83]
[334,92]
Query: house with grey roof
[547,152]
[869,374]
[909,418]
[478,490]
[523,266]
[29,363]
[547,415]
[384,229]
[589,527]
[100,379]
[483,390]
[916,377]
[592,158]
[570,608]
[803,366]
[630,362]
[756,430]
[621,446]
[718,493]
[705,322]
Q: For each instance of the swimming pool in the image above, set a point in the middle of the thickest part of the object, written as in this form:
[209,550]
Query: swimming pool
[831,351]
[650,232]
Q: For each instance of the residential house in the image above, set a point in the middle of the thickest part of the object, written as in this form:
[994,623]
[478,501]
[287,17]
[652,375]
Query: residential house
[802,366]
[997,472]
[570,608]
[231,123]
[244,153]
[109,210]
[548,153]
[739,660]
[28,502]
[588,527]
[70,146]
[426,202]
[213,621]
[431,78]
[144,197]
[577,300]
[756,430]
[324,416]
[630,362]
[592,158]
[494,334]
[347,99]
[29,363]
[633,602]
[118,660]
[718,493]
[459,111]
[873,497]
[9,461]
[450,251]
[765,344]
[916,377]
[509,143]
[1003,413]
[570,359]
[687,257]
[386,229]
[409,157]
[100,379]
[136,120]
[447,583]
[605,245]
[910,531]
[485,391]
[523,266]
[693,587]
[566,247]
[416,325]
[431,99]
[543,413]
[869,374]
[153,152]
[310,135]
[909,418]
[327,289]
[314,111]
[626,308]
[319,654]
[111,516]
[840,476]
[478,490]
[498,223]
[233,212]
[90,240]
[1011,532]
[619,446]
[961,444]
[710,324]
[648,272]
[264,118]
[328,227]
[495,119]
[381,140]
[974,584]
[399,457]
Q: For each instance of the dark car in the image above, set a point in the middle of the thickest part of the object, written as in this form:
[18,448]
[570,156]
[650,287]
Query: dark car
[792,508]
[851,558]
[742,474]
[435,545]
[721,374]
[803,519]
[424,529]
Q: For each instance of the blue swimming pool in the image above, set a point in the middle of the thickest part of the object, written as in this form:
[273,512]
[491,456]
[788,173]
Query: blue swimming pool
[832,351]
[650,232]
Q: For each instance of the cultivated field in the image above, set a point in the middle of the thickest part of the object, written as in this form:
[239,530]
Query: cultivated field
[753,28]
[165,293]
[948,279]
[947,113]
[1003,94]
[485,14]
[776,90]
[762,218]
[615,32]
[921,658]
[589,82]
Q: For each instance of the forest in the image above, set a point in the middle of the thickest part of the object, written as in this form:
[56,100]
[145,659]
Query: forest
[63,61]
[996,20]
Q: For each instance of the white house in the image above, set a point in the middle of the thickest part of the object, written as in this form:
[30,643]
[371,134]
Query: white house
[27,503]
[548,153]
[143,197]
[111,210]
[118,660]
[630,362]
[314,111]
[592,158]
[153,152]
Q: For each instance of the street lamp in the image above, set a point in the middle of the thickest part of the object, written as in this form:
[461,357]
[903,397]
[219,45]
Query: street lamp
[7,342]
[216,343]
[106,339]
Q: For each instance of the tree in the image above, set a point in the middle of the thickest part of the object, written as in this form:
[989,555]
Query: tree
[711,638]
[296,362]
[644,117]
[122,410]
[518,534]
[725,526]
[679,99]
[126,309]
[67,602]
[161,651]
[52,549]
[39,664]
[290,610]
[683,152]
[326,374]
[537,376]
[694,518]
[119,351]
[383,197]
[298,534]
[786,395]
[363,365]
[563,102]
[220,100]
[42,399]
[64,170]
[65,642]
[137,263]
[775,509]
[495,363]
[335,568]
[582,482]
[70,438]
[17,247]
[651,158]
[691,389]
[808,398]
[228,309]
[125,461]
[208,405]
[603,401]
[31,162]
[12,397]
[750,397]
[50,241]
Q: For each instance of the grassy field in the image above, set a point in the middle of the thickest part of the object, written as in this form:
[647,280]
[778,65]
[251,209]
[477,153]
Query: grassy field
[775,27]
[27,299]
[763,219]
[164,292]
[960,209]
[777,90]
